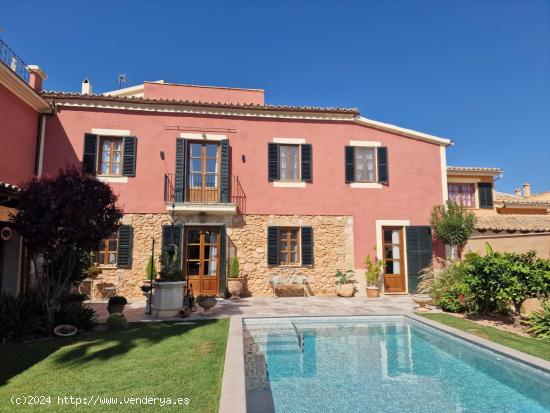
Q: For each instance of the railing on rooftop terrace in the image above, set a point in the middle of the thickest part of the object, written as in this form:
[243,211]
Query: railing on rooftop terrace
[14,62]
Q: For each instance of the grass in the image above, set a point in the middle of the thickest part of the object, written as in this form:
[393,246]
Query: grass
[532,346]
[165,360]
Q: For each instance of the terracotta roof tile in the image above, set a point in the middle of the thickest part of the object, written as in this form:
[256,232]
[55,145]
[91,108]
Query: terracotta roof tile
[472,169]
[513,222]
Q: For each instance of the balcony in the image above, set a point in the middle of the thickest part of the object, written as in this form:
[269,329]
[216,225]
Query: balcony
[14,62]
[202,193]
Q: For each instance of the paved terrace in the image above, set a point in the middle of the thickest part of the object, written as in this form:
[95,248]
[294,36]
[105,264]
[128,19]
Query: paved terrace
[280,306]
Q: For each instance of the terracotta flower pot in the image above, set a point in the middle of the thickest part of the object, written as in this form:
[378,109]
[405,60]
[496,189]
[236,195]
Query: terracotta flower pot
[235,287]
[345,290]
[373,292]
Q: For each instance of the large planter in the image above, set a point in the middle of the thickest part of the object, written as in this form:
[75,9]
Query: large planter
[235,287]
[167,298]
[373,292]
[345,290]
[207,303]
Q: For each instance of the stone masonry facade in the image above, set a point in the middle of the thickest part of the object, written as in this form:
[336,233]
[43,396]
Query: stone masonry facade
[332,246]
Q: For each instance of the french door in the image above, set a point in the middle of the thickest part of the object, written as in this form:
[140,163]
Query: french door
[394,268]
[204,172]
[202,252]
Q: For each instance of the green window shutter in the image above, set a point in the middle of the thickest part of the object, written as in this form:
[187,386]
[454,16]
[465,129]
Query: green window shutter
[224,171]
[129,156]
[89,158]
[419,253]
[179,180]
[272,245]
[382,159]
[307,246]
[223,260]
[306,162]
[125,244]
[273,162]
[172,235]
[485,194]
[350,163]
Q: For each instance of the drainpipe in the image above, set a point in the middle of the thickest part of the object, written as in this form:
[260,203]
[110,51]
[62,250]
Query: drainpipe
[39,164]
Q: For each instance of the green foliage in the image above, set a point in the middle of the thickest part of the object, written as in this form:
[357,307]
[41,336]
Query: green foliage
[21,317]
[170,264]
[539,322]
[373,268]
[447,287]
[117,321]
[453,224]
[150,269]
[93,271]
[117,299]
[346,277]
[84,318]
[75,298]
[234,270]
[500,279]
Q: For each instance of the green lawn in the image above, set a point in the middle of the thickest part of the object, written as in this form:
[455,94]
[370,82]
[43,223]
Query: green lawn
[533,346]
[163,360]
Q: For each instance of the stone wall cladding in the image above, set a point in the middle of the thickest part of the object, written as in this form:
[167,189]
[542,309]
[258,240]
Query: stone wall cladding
[332,249]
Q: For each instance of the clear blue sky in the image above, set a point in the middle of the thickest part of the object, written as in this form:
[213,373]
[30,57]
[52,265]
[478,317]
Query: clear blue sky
[477,71]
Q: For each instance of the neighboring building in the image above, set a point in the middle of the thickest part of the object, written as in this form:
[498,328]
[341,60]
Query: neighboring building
[512,223]
[285,188]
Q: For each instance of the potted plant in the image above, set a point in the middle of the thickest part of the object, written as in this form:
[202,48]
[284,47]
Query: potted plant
[373,268]
[167,296]
[150,274]
[116,304]
[235,282]
[345,285]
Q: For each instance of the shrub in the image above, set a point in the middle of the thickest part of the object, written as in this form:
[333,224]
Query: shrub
[170,264]
[74,298]
[453,224]
[21,317]
[117,321]
[150,270]
[117,299]
[346,277]
[373,268]
[539,322]
[235,270]
[84,318]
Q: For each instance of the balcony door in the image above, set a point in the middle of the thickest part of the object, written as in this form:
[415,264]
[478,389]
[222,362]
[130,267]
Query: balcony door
[394,267]
[202,252]
[204,172]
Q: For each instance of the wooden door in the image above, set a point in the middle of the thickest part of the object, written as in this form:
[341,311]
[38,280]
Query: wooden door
[394,267]
[204,172]
[202,252]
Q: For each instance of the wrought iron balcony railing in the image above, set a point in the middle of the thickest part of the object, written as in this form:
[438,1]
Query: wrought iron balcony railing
[14,62]
[204,189]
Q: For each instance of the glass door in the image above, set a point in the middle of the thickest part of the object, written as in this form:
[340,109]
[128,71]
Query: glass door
[394,274]
[202,258]
[204,176]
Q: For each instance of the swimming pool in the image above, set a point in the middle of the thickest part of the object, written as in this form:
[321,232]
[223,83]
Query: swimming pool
[389,364]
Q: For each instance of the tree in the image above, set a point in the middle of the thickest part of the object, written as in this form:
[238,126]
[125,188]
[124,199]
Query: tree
[453,224]
[62,219]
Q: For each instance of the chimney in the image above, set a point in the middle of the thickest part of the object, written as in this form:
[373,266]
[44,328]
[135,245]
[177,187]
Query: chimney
[517,191]
[526,189]
[36,77]
[86,87]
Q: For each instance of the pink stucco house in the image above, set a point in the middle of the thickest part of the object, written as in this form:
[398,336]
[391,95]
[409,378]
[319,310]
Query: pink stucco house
[287,189]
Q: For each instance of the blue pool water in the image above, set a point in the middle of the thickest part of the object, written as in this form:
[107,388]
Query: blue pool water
[387,364]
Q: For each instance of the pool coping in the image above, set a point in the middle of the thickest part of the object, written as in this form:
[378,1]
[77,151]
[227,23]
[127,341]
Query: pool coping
[233,392]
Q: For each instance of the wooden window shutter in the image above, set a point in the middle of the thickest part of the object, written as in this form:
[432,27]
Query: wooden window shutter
[224,171]
[419,253]
[125,244]
[272,245]
[223,261]
[172,235]
[306,163]
[350,163]
[273,162]
[307,246]
[129,156]
[382,160]
[179,180]
[485,194]
[89,158]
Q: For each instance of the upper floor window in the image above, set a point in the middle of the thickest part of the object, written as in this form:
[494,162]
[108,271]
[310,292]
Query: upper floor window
[107,252]
[364,164]
[110,157]
[462,194]
[289,160]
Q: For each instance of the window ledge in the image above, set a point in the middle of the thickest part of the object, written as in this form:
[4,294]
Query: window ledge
[289,184]
[365,185]
[113,179]
[108,266]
